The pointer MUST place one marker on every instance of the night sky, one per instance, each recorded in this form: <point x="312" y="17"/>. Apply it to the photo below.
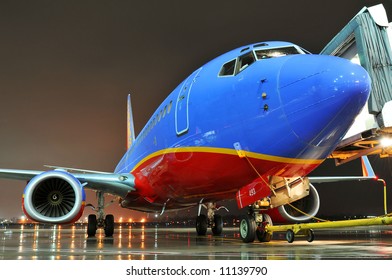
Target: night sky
<point x="66" y="68"/>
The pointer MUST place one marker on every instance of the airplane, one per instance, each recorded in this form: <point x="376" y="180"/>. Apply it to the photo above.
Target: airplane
<point x="249" y="125"/>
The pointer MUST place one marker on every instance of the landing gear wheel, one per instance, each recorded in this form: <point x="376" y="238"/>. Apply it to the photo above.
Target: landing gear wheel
<point x="218" y="225"/>
<point x="92" y="225"/>
<point x="201" y="225"/>
<point x="267" y="218"/>
<point x="310" y="235"/>
<point x="290" y="236"/>
<point x="109" y="225"/>
<point x="248" y="229"/>
<point x="262" y="235"/>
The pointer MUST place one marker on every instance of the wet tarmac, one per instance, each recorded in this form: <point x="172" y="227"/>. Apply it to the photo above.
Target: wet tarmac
<point x="38" y="242"/>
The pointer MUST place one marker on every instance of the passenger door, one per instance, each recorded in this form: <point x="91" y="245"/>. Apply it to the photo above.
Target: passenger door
<point x="182" y="106"/>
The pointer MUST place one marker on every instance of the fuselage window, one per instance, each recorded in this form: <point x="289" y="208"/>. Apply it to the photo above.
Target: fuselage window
<point x="160" y="115"/>
<point x="154" y="121"/>
<point x="164" y="111"/>
<point x="228" y="68"/>
<point x="169" y="107"/>
<point x="277" y="52"/>
<point x="245" y="61"/>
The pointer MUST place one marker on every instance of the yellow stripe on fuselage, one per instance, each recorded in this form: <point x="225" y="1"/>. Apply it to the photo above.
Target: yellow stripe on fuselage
<point x="228" y="152"/>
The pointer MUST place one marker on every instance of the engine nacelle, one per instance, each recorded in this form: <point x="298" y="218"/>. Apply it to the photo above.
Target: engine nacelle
<point x="54" y="197"/>
<point x="286" y="214"/>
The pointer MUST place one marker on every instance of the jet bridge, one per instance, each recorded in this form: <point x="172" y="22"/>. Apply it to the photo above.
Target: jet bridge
<point x="367" y="40"/>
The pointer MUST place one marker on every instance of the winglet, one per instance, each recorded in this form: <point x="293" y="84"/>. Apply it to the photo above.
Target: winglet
<point x="367" y="169"/>
<point x="130" y="126"/>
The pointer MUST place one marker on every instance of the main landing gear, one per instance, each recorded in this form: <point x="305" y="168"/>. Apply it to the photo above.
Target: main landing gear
<point x="253" y="225"/>
<point x="102" y="221"/>
<point x="212" y="220"/>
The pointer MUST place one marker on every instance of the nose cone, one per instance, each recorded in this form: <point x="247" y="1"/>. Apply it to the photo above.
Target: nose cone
<point x="321" y="96"/>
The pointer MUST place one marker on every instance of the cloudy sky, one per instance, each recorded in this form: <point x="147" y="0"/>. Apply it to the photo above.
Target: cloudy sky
<point x="67" y="66"/>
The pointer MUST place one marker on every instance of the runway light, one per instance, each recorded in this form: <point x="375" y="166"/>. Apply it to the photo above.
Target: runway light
<point x="386" y="142"/>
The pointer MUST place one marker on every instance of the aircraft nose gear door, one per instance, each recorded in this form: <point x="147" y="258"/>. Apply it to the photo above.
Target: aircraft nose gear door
<point x="182" y="108"/>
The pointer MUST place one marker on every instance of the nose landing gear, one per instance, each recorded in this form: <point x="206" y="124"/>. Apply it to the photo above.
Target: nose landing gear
<point x="253" y="225"/>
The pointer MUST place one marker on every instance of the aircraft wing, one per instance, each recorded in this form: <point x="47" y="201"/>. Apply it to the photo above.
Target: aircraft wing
<point x="111" y="183"/>
<point x="16" y="174"/>
<point x="338" y="179"/>
<point x="367" y="170"/>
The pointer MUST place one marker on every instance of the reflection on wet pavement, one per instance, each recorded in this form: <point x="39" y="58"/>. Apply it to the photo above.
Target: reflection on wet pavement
<point x="36" y="242"/>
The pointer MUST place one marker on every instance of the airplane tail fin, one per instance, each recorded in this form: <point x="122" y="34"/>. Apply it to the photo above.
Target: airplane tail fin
<point x="367" y="169"/>
<point x="130" y="126"/>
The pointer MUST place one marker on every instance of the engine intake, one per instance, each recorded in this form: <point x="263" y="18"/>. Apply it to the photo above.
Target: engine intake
<point x="309" y="204"/>
<point x="54" y="197"/>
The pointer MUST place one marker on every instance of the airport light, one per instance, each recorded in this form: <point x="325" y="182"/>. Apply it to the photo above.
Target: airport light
<point x="386" y="142"/>
<point x="22" y="219"/>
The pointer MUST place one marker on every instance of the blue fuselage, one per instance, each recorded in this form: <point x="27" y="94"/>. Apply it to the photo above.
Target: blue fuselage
<point x="279" y="103"/>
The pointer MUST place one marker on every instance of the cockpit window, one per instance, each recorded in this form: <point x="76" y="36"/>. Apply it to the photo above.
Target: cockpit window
<point x="305" y="51"/>
<point x="228" y="68"/>
<point x="270" y="53"/>
<point x="236" y="65"/>
<point x="245" y="61"/>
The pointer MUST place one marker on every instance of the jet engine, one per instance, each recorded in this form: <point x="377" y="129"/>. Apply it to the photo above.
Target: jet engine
<point x="54" y="197"/>
<point x="309" y="206"/>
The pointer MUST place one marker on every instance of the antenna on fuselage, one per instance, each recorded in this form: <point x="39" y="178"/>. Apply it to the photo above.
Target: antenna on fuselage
<point x="130" y="126"/>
